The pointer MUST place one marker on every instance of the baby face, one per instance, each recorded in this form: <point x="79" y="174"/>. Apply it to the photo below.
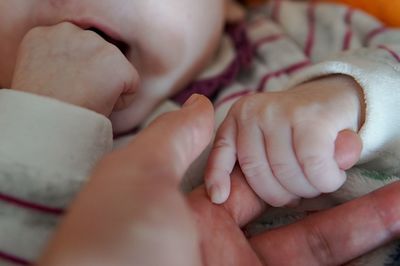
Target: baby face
<point x="167" y="41"/>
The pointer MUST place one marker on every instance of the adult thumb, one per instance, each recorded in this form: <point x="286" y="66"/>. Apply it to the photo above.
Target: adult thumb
<point x="174" y="140"/>
<point x="348" y="146"/>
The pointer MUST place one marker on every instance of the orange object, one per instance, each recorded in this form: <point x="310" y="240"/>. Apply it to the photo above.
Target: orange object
<point x="387" y="11"/>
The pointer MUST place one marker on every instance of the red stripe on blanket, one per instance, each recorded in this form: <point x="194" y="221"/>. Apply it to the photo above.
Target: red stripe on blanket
<point x="231" y="97"/>
<point x="390" y="51"/>
<point x="373" y="33"/>
<point x="210" y="86"/>
<point x="287" y="70"/>
<point x="267" y="40"/>
<point x="13" y="259"/>
<point x="30" y="205"/>
<point x="349" y="33"/>
<point x="311" y="30"/>
<point x="256" y="22"/>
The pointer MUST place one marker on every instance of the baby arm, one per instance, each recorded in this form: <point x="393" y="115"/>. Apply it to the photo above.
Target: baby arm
<point x="284" y="141"/>
<point x="48" y="147"/>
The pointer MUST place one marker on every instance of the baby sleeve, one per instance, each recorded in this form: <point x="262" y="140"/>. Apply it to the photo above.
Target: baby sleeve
<point x="341" y="40"/>
<point x="47" y="149"/>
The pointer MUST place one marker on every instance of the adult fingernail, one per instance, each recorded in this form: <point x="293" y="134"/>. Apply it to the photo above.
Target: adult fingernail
<point x="192" y="100"/>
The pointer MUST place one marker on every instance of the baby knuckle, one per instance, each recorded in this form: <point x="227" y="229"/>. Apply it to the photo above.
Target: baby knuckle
<point x="104" y="52"/>
<point x="313" y="163"/>
<point x="246" y="104"/>
<point x="222" y="142"/>
<point x="247" y="115"/>
<point x="239" y="103"/>
<point x="310" y="111"/>
<point x="93" y="38"/>
<point x="67" y="26"/>
<point x="111" y="49"/>
<point x="316" y="169"/>
<point x="299" y="113"/>
<point x="330" y="184"/>
<point x="252" y="167"/>
<point x="236" y="108"/>
<point x="284" y="170"/>
<point x="279" y="202"/>
<point x="89" y="35"/>
<point x="35" y="33"/>
<point x="271" y="111"/>
<point x="62" y="30"/>
<point x="278" y="199"/>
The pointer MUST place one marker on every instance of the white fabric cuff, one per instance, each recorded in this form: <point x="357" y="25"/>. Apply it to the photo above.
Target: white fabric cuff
<point x="51" y="136"/>
<point x="381" y="85"/>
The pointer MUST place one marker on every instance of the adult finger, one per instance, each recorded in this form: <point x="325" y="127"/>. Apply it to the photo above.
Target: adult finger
<point x="222" y="240"/>
<point x="243" y="205"/>
<point x="174" y="139"/>
<point x="337" y="235"/>
<point x="221" y="161"/>
<point x="134" y="200"/>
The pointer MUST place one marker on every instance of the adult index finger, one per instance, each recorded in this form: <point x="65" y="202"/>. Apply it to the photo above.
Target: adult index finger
<point x="337" y="235"/>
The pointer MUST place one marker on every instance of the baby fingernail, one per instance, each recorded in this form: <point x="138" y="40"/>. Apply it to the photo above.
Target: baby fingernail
<point x="216" y="194"/>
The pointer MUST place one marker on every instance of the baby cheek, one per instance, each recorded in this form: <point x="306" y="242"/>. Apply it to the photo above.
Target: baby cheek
<point x="57" y="3"/>
<point x="57" y="7"/>
<point x="161" y="51"/>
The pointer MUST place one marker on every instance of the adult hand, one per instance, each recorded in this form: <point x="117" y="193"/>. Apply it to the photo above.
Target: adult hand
<point x="75" y="66"/>
<point x="131" y="213"/>
<point x="331" y="237"/>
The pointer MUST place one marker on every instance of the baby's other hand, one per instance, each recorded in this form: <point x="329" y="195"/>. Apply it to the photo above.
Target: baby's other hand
<point x="75" y="66"/>
<point x="285" y="141"/>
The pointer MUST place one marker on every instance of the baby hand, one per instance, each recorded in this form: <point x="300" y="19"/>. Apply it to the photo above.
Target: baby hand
<point x="75" y="66"/>
<point x="285" y="141"/>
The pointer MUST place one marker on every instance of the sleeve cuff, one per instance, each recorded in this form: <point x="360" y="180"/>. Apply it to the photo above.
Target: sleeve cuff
<point x="380" y="84"/>
<point x="44" y="133"/>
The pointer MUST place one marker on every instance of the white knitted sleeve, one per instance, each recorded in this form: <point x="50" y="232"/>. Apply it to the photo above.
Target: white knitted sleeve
<point x="47" y="149"/>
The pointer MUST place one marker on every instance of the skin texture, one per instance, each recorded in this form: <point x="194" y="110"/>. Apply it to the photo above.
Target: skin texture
<point x="142" y="211"/>
<point x="80" y="56"/>
<point x="47" y="41"/>
<point x="166" y="43"/>
<point x="284" y="141"/>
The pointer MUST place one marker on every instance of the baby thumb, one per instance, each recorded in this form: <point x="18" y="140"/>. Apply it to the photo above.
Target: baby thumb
<point x="174" y="140"/>
<point x="348" y="148"/>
